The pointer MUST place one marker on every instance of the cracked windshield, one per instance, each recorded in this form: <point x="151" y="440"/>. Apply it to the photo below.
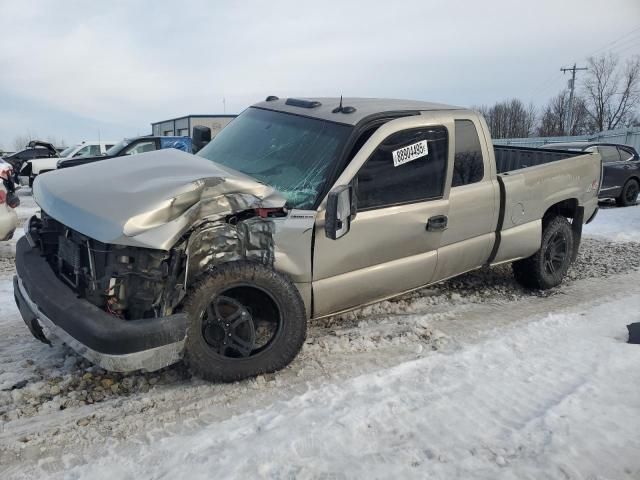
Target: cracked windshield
<point x="291" y="153"/>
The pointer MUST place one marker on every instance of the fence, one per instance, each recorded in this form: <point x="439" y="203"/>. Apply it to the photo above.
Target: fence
<point x="622" y="136"/>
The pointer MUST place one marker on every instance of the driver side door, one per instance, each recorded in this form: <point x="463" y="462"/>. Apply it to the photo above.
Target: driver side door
<point x="400" y="177"/>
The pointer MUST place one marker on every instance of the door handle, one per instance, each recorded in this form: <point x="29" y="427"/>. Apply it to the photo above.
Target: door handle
<point x="437" y="223"/>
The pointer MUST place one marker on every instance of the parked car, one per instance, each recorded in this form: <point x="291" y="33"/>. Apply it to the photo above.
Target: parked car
<point x="131" y="146"/>
<point x="8" y="203"/>
<point x="6" y="169"/>
<point x="34" y="149"/>
<point x="300" y="208"/>
<point x="621" y="179"/>
<point x="32" y="168"/>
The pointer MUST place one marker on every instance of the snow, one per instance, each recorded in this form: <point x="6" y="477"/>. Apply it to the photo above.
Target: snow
<point x="617" y="224"/>
<point x="557" y="396"/>
<point x="473" y="378"/>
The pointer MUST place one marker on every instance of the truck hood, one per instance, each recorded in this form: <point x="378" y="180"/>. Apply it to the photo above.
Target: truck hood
<point x="148" y="200"/>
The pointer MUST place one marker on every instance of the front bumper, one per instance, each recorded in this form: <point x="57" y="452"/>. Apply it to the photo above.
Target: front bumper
<point x="110" y="342"/>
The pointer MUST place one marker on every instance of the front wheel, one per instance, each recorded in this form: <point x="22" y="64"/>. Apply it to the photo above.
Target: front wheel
<point x="547" y="267"/>
<point x="629" y="194"/>
<point x="245" y="319"/>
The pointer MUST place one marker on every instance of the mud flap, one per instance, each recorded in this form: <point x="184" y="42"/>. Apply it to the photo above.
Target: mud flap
<point x="576" y="226"/>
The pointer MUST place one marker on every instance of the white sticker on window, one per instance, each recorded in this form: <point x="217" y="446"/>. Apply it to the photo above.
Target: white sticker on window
<point x="410" y="153"/>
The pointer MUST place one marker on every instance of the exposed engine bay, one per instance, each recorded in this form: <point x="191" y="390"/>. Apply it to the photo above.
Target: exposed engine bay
<point x="133" y="282"/>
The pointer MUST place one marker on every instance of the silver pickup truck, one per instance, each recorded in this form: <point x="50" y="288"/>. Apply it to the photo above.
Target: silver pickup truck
<point x="298" y="209"/>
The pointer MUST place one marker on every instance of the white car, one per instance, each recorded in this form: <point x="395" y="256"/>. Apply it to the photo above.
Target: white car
<point x="8" y="216"/>
<point x="35" y="167"/>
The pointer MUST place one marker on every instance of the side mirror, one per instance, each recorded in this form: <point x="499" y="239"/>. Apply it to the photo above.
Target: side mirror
<point x="341" y="209"/>
<point x="201" y="136"/>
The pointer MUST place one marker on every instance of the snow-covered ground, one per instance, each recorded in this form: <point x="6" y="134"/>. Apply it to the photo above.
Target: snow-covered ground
<point x="618" y="224"/>
<point x="474" y="378"/>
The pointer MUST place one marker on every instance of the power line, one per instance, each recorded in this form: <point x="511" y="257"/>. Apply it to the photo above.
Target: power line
<point x="629" y="47"/>
<point x="544" y="86"/>
<point x="610" y="44"/>
<point x="572" y="84"/>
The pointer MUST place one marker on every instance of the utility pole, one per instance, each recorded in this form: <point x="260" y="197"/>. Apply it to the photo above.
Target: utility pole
<point x="572" y="84"/>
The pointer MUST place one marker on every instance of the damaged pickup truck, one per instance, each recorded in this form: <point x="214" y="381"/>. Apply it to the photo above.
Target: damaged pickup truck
<point x="298" y="209"/>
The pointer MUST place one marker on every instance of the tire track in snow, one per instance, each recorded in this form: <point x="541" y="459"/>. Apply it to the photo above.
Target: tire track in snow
<point x="424" y="418"/>
<point x="465" y="329"/>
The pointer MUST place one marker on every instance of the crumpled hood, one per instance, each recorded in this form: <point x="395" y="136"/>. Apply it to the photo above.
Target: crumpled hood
<point x="148" y="200"/>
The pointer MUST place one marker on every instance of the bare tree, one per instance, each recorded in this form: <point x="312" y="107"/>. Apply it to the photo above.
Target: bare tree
<point x="612" y="92"/>
<point x="509" y="119"/>
<point x="556" y="116"/>
<point x="57" y="142"/>
<point x="20" y="141"/>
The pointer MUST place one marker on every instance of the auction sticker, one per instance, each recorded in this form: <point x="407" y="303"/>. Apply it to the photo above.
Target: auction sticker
<point x="409" y="153"/>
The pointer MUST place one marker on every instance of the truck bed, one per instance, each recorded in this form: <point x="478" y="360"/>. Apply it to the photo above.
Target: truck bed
<point x="510" y="158"/>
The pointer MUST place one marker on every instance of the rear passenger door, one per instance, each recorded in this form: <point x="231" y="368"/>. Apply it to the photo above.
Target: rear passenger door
<point x="391" y="247"/>
<point x="473" y="203"/>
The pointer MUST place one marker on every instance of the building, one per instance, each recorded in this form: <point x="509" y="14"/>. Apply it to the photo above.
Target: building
<point x="183" y="126"/>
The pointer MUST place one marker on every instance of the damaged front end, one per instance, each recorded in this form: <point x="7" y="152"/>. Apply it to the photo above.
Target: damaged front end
<point x="126" y="273"/>
<point x="133" y="282"/>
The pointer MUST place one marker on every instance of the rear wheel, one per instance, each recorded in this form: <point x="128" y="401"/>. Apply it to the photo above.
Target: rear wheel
<point x="629" y="194"/>
<point x="548" y="266"/>
<point x="245" y="319"/>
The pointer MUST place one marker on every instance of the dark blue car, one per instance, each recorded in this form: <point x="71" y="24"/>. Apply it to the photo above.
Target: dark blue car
<point x="621" y="165"/>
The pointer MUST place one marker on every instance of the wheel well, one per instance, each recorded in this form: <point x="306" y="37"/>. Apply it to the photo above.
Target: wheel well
<point x="571" y="210"/>
<point x="567" y="208"/>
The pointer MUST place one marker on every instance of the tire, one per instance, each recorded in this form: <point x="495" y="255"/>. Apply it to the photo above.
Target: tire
<point x="629" y="194"/>
<point x="547" y="267"/>
<point x="224" y="297"/>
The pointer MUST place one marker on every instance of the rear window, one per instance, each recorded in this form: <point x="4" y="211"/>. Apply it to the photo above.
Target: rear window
<point x="625" y="154"/>
<point x="468" y="165"/>
<point x="609" y="154"/>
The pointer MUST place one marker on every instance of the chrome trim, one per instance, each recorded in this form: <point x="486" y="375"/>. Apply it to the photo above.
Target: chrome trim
<point x="147" y="360"/>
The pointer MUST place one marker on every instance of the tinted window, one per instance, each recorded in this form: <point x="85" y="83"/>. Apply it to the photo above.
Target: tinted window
<point x="625" y="154"/>
<point x="609" y="154"/>
<point x="401" y="170"/>
<point x="468" y="166"/>
<point x="94" y="150"/>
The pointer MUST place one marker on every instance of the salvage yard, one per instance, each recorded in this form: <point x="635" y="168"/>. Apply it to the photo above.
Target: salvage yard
<point x="475" y="376"/>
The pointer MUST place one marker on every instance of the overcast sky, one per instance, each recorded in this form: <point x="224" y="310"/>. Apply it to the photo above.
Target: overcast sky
<point x="78" y="69"/>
